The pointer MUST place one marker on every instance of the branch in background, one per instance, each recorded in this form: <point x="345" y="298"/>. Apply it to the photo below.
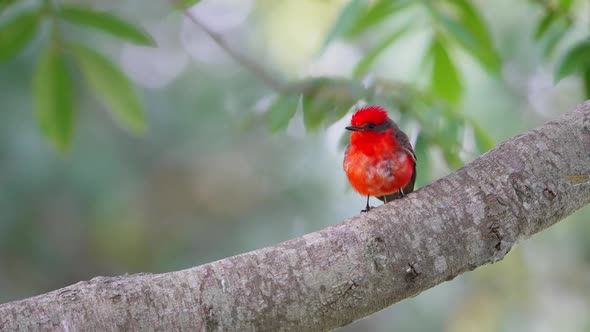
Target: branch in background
<point x="293" y="88"/>
<point x="243" y="60"/>
<point x="350" y="270"/>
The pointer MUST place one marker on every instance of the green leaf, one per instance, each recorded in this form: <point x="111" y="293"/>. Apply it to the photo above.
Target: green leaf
<point x="544" y="24"/>
<point x="445" y="78"/>
<point x="53" y="99"/>
<point x="106" y="22"/>
<point x="452" y="158"/>
<point x="575" y="60"/>
<point x="281" y="112"/>
<point x="367" y="61"/>
<point x="483" y="140"/>
<point x="565" y="5"/>
<point x="345" y="21"/>
<point x="326" y="100"/>
<point x="456" y="30"/>
<point x="449" y="131"/>
<point x="423" y="160"/>
<point x="376" y="13"/>
<point x="449" y="136"/>
<point x="17" y="32"/>
<point x="469" y="29"/>
<point x="183" y="4"/>
<point x="338" y="112"/>
<point x="111" y="87"/>
<point x="554" y="35"/>
<point x="471" y="19"/>
<point x="5" y="3"/>
<point x="427" y="116"/>
<point x="485" y="53"/>
<point x="315" y="111"/>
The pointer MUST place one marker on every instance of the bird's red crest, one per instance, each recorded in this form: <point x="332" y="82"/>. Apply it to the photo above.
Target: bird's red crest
<point x="373" y="114"/>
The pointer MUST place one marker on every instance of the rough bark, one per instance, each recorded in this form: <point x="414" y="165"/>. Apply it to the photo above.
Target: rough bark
<point x="347" y="271"/>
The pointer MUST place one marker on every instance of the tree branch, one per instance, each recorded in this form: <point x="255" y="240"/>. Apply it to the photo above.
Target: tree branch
<point x="347" y="271"/>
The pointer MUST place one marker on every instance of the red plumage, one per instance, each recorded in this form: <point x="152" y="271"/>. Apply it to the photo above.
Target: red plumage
<point x="374" y="114"/>
<point x="379" y="160"/>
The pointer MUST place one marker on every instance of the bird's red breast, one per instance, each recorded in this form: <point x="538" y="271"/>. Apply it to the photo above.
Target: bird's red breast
<point x="376" y="165"/>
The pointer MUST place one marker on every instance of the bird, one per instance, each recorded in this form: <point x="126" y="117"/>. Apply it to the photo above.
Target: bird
<point x="379" y="160"/>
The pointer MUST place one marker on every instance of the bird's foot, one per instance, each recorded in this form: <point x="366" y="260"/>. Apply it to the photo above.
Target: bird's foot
<point x="367" y="209"/>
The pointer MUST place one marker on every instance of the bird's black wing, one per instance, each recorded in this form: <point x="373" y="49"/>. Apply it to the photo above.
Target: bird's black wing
<point x="405" y="144"/>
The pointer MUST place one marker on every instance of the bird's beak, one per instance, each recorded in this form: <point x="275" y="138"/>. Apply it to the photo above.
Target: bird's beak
<point x="353" y="128"/>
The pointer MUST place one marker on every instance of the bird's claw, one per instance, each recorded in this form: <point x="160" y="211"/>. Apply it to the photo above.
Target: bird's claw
<point x="367" y="209"/>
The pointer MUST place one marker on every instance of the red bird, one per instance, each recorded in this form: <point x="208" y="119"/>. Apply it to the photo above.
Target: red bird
<point x="379" y="160"/>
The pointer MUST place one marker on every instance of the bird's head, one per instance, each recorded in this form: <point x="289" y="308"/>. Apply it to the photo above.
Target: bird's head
<point x="371" y="119"/>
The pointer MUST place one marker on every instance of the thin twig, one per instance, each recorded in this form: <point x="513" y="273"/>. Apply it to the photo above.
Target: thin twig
<point x="292" y="88"/>
<point x="243" y="60"/>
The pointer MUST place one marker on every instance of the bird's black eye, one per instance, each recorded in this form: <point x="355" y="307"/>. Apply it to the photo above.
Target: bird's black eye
<point x="371" y="126"/>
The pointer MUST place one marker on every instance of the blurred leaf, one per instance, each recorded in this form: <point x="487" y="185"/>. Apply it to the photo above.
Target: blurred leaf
<point x="339" y="95"/>
<point x="315" y="111"/>
<point x="338" y="113"/>
<point x="17" y="32"/>
<point x="367" y="61"/>
<point x="469" y="30"/>
<point x="375" y="13"/>
<point x="281" y="112"/>
<point x="326" y="100"/>
<point x="111" y="87"/>
<point x="5" y="3"/>
<point x="472" y="21"/>
<point x="456" y="30"/>
<point x="544" y="24"/>
<point x="448" y="138"/>
<point x="452" y="158"/>
<point x="423" y="161"/>
<point x="349" y="14"/>
<point x="428" y="117"/>
<point x="565" y="5"/>
<point x="445" y="78"/>
<point x="341" y="92"/>
<point x="187" y="3"/>
<point x="483" y="140"/>
<point x="554" y="35"/>
<point x="449" y="131"/>
<point x="52" y="92"/>
<point x="106" y="22"/>
<point x="575" y="60"/>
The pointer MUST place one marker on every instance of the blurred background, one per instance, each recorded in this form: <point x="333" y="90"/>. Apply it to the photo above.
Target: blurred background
<point x="233" y="147"/>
